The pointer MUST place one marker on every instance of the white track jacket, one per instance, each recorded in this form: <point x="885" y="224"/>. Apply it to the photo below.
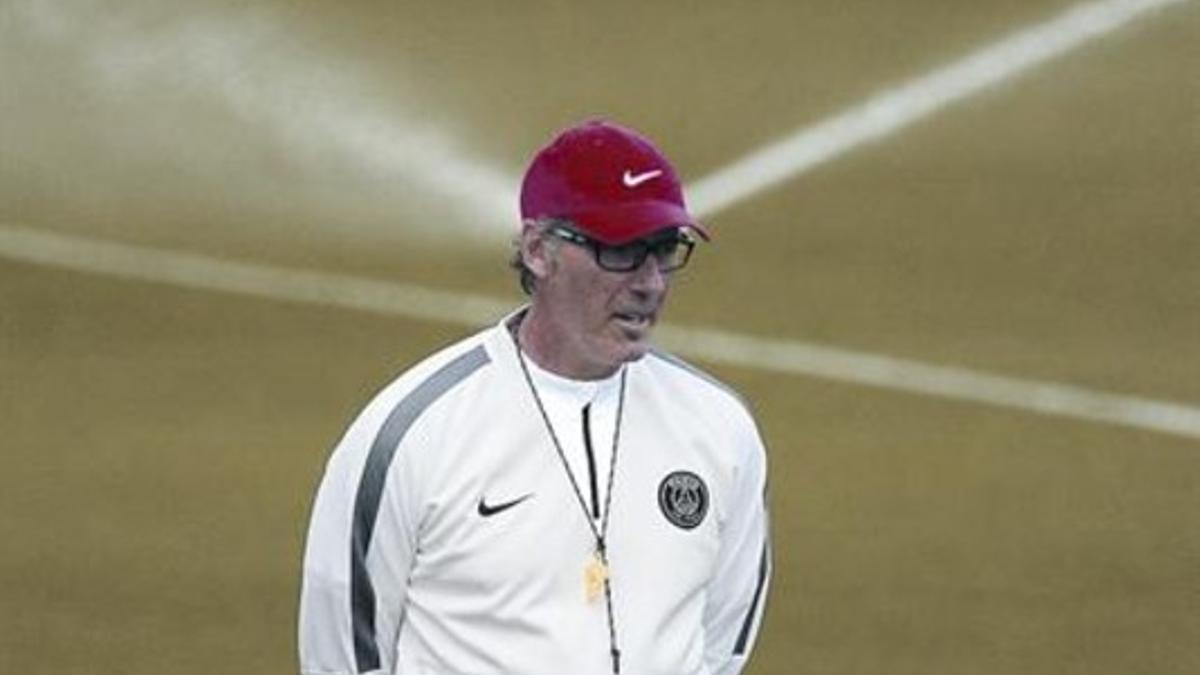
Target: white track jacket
<point x="446" y="537"/>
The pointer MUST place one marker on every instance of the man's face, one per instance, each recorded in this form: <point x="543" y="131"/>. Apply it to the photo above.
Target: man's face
<point x="598" y="318"/>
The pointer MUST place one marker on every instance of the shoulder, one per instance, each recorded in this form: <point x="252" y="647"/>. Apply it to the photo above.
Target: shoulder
<point x="705" y="390"/>
<point x="433" y="378"/>
<point x="697" y="377"/>
<point x="708" y="407"/>
<point x="391" y="414"/>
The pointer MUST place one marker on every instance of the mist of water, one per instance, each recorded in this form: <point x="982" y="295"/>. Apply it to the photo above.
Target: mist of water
<point x="239" y="99"/>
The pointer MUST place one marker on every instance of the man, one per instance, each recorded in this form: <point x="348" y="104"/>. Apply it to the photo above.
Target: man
<point x="552" y="495"/>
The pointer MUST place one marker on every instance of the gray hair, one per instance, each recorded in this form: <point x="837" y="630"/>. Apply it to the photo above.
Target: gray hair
<point x="525" y="276"/>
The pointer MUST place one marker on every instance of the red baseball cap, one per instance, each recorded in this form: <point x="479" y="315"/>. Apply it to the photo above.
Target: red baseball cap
<point x="609" y="180"/>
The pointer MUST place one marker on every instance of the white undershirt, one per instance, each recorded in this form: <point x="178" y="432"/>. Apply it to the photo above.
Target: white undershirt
<point x="565" y="400"/>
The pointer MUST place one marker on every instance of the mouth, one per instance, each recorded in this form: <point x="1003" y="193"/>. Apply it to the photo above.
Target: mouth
<point x="634" y="323"/>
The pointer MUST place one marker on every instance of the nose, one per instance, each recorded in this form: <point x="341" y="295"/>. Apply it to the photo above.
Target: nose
<point x="649" y="278"/>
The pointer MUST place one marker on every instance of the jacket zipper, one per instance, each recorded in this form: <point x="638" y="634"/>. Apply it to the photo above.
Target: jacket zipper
<point x="591" y="460"/>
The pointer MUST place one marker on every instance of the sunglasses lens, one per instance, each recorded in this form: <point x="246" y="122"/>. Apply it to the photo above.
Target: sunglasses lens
<point x="621" y="258"/>
<point x="673" y="253"/>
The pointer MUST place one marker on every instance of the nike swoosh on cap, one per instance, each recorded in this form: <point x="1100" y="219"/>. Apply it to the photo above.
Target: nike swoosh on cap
<point x="488" y="510"/>
<point x="631" y="179"/>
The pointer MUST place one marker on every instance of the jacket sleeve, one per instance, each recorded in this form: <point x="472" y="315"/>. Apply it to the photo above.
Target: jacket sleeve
<point x="360" y="545"/>
<point x="737" y="593"/>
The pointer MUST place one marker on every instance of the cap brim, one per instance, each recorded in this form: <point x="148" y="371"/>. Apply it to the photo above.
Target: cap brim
<point x="622" y="223"/>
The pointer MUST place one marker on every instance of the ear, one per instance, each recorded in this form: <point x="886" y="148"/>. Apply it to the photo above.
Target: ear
<point x="536" y="252"/>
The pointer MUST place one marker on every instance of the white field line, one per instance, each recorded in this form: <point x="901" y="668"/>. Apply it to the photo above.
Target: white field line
<point x="415" y="302"/>
<point x="191" y="270"/>
<point x="890" y="111"/>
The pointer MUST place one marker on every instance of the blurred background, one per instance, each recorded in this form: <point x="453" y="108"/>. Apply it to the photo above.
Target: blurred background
<point x="160" y="441"/>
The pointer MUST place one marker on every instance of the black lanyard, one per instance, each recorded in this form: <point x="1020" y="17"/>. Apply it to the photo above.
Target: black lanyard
<point x="598" y="568"/>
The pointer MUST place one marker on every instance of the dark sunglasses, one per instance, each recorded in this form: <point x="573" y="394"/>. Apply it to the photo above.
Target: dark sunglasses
<point x="671" y="250"/>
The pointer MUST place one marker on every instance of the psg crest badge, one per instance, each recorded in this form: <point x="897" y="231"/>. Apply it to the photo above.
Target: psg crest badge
<point x="683" y="498"/>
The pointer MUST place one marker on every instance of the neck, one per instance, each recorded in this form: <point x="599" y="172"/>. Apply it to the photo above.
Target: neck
<point x="541" y="339"/>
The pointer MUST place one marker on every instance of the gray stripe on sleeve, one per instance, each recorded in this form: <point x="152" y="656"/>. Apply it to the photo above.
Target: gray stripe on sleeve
<point x="370" y="492"/>
<point x="764" y="565"/>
